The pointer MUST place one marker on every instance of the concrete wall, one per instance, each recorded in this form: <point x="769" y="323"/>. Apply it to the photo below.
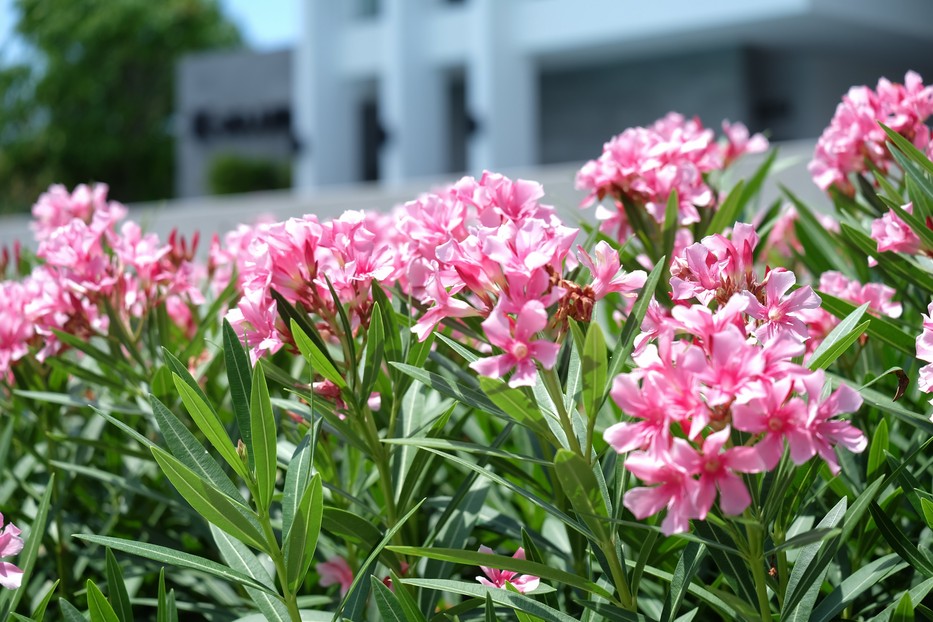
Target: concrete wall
<point x="231" y="103"/>
<point x="211" y="215"/>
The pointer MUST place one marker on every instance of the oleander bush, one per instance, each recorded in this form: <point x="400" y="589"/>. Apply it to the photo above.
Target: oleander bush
<point x="697" y="407"/>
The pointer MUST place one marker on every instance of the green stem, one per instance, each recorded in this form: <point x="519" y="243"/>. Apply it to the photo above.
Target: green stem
<point x="618" y="576"/>
<point x="552" y="384"/>
<point x="288" y="597"/>
<point x="756" y="559"/>
<point x="381" y="458"/>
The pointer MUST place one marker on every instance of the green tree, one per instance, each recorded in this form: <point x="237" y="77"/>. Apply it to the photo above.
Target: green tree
<point x="95" y="101"/>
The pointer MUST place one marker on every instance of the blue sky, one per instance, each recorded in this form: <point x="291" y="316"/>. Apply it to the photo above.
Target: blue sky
<point x="265" y="24"/>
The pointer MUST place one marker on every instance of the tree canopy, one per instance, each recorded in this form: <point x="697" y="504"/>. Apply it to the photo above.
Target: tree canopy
<point x="95" y="100"/>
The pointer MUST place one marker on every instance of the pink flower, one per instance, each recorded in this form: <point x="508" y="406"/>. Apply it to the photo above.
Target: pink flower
<point x="445" y="305"/>
<point x="335" y="571"/>
<point x="498" y="578"/>
<point x="739" y="142"/>
<point x="925" y="351"/>
<point x="717" y="470"/>
<point x="893" y="234"/>
<point x="778" y="416"/>
<point x="607" y="272"/>
<point x="10" y="544"/>
<point x="514" y="336"/>
<point x="780" y="315"/>
<point x="645" y="403"/>
<point x="675" y="489"/>
<point x="826" y="431"/>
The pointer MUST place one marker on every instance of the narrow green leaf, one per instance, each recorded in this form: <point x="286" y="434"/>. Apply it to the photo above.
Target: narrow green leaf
<point x="181" y="370"/>
<point x="296" y="481"/>
<point x="184" y="446"/>
<point x="117" y="589"/>
<point x="316" y="358"/>
<point x="504" y="562"/>
<point x="859" y="581"/>
<point x="162" y="613"/>
<point x="209" y="502"/>
<point x="176" y="558"/>
<point x="901" y="545"/>
<point x="350" y="527"/>
<point x="671" y="222"/>
<point x="389" y="607"/>
<point x="409" y="606"/>
<point x="69" y="613"/>
<point x="239" y="378"/>
<point x="878" y="327"/>
<point x="579" y="484"/>
<point x="241" y="559"/>
<point x="595" y="369"/>
<point x="904" y="612"/>
<point x="916" y="224"/>
<point x="490" y="610"/>
<point x="38" y="614"/>
<point x="728" y="212"/>
<point x="33" y="541"/>
<point x="894" y="264"/>
<point x="815" y="535"/>
<point x="262" y="424"/>
<point x="450" y="388"/>
<point x="839" y="339"/>
<point x="208" y="422"/>
<point x="375" y="338"/>
<point x="302" y="538"/>
<point x="687" y="567"/>
<point x="879" y="445"/>
<point x="927" y="507"/>
<point x="506" y="598"/>
<point x="98" y="607"/>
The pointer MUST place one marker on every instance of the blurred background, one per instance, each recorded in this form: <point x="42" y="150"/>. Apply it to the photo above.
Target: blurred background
<point x="339" y="103"/>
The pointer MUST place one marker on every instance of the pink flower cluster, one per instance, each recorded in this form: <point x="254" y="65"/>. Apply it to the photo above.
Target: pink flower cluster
<point x="853" y="141"/>
<point x="643" y="165"/>
<point x="716" y="393"/>
<point x="880" y="299"/>
<point x="488" y="248"/>
<point x="893" y="234"/>
<point x="88" y="263"/>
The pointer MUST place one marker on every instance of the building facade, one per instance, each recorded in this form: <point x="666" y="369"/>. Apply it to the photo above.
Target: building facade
<point x="396" y="90"/>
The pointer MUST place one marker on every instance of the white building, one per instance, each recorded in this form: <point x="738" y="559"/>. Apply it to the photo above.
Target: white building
<point x="402" y="89"/>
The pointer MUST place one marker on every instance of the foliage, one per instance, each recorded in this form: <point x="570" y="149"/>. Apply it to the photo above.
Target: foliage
<point x="231" y="174"/>
<point x="96" y="100"/>
<point x="444" y="412"/>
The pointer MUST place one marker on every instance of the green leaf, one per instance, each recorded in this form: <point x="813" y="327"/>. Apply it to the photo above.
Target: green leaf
<point x="839" y="339"/>
<point x="209" y="502"/>
<point x="879" y="445"/>
<point x="375" y="338"/>
<point x="581" y="488"/>
<point x="882" y="402"/>
<point x="687" y="567"/>
<point x="38" y="614"/>
<point x="316" y="357"/>
<point x="516" y="404"/>
<point x="916" y="224"/>
<point x="33" y="541"/>
<point x="491" y="560"/>
<point x="184" y="446"/>
<point x="296" y="481"/>
<point x="632" y="326"/>
<point x="351" y="527"/>
<point x="506" y="598"/>
<point x="176" y="558"/>
<point x="301" y="539"/>
<point x="490" y="610"/>
<point x="904" y="612"/>
<point x="889" y="262"/>
<point x="390" y="609"/>
<point x="262" y="424"/>
<point x="927" y="507"/>
<point x="729" y="211"/>
<point x="878" y="327"/>
<point x="595" y="369"/>
<point x="451" y="388"/>
<point x="815" y="535"/>
<point x="406" y="600"/>
<point x="208" y="422"/>
<point x="859" y="581"/>
<point x="69" y="613"/>
<point x="901" y="545"/>
<point x="98" y="607"/>
<point x="241" y="559"/>
<point x="239" y="379"/>
<point x="166" y="604"/>
<point x="181" y="370"/>
<point x="117" y="589"/>
<point x="671" y="222"/>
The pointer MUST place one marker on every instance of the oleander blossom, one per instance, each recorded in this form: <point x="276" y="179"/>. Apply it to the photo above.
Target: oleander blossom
<point x="719" y="365"/>
<point x="893" y="234"/>
<point x="10" y="544"/>
<point x="499" y="578"/>
<point x="853" y="142"/>
<point x="925" y="352"/>
<point x="335" y="571"/>
<point x="642" y="166"/>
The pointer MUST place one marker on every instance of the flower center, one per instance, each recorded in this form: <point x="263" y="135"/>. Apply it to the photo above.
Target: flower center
<point x="775" y="314"/>
<point x="775" y="424"/>
<point x="712" y="466"/>
<point x="519" y="350"/>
